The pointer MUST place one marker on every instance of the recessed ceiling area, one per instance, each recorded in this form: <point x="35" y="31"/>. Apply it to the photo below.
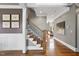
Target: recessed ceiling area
<point x="52" y="10"/>
<point x="47" y="4"/>
<point x="49" y="11"/>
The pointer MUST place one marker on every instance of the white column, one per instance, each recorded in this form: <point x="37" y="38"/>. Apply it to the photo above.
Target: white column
<point x="24" y="29"/>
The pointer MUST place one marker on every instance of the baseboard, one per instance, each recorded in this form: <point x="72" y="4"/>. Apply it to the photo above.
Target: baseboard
<point x="34" y="48"/>
<point x="10" y="49"/>
<point x="67" y="45"/>
<point x="23" y="51"/>
<point x="77" y="50"/>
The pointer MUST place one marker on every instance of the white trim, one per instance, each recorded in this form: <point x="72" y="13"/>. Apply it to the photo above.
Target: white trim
<point x="34" y="42"/>
<point x="23" y="51"/>
<point x="6" y="49"/>
<point x="34" y="48"/>
<point x="11" y="6"/>
<point x="77" y="50"/>
<point x="24" y="48"/>
<point x="67" y="45"/>
<point x="46" y="5"/>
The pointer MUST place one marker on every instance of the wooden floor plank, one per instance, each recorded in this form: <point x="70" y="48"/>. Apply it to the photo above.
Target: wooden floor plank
<point x="58" y="50"/>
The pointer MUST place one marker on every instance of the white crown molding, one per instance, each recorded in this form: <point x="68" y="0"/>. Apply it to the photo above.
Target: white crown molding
<point x="32" y="5"/>
<point x="11" y="6"/>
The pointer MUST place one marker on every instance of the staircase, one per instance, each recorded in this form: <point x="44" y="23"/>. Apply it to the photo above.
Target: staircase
<point x="35" y="40"/>
<point x="36" y="34"/>
<point x="39" y="39"/>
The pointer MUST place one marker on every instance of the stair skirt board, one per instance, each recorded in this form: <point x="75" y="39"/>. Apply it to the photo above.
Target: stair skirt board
<point x="34" y="48"/>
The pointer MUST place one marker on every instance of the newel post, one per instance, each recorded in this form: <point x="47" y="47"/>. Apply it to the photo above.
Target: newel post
<point x="45" y="42"/>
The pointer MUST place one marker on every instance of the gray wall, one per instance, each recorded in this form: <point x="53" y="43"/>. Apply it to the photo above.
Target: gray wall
<point x="40" y="21"/>
<point x="70" y="27"/>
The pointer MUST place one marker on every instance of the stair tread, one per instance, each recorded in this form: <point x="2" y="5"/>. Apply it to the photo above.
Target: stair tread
<point x="34" y="42"/>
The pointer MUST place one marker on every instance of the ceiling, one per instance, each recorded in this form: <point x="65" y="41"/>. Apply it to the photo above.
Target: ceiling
<point x="52" y="11"/>
<point x="49" y="11"/>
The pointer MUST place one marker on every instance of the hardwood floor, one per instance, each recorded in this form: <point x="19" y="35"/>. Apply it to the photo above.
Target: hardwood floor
<point x="35" y="53"/>
<point x="11" y="53"/>
<point x="61" y="50"/>
<point x="58" y="50"/>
